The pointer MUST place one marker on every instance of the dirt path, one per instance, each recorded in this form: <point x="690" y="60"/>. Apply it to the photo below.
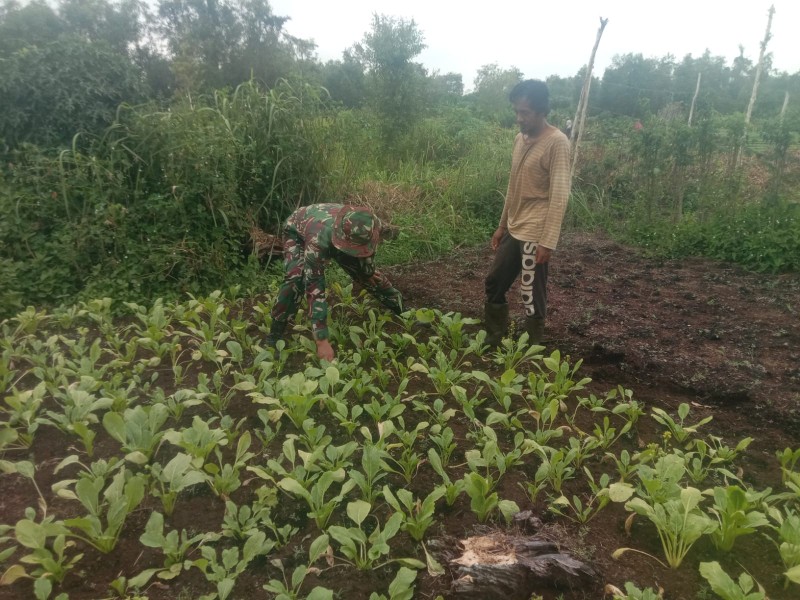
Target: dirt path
<point x="692" y="330"/>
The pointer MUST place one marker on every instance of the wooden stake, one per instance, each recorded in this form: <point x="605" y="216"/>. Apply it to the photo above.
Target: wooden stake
<point x="753" y="96"/>
<point x="694" y="98"/>
<point x="583" y="103"/>
<point x="785" y="104"/>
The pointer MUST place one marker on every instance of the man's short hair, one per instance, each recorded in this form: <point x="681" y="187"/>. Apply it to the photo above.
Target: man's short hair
<point x="535" y="92"/>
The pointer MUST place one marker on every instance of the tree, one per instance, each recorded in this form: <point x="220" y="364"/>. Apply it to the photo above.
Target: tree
<point x="219" y="43"/>
<point x="445" y="89"/>
<point x="636" y="86"/>
<point x="492" y="87"/>
<point x="119" y="24"/>
<point x="713" y="93"/>
<point x="394" y="81"/>
<point x="345" y="80"/>
<point x="49" y="93"/>
<point x="67" y="69"/>
<point x="30" y="25"/>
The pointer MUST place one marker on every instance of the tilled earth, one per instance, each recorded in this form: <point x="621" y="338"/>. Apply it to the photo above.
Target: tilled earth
<point x="689" y="330"/>
<point x="697" y="331"/>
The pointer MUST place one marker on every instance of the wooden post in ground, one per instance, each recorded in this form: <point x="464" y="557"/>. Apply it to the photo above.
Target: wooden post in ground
<point x="785" y="104"/>
<point x="754" y="94"/>
<point x="583" y="103"/>
<point x="694" y="98"/>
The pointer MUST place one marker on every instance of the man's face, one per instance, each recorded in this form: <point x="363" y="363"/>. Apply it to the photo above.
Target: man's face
<point x="527" y="118"/>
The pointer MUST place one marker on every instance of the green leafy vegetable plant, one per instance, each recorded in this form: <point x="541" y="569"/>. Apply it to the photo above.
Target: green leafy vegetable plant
<point x="175" y="547"/>
<point x="293" y="396"/>
<point x="47" y="559"/>
<point x="321" y="508"/>
<point x="557" y="466"/>
<point x="138" y="430"/>
<point x="788" y="528"/>
<point x="514" y="352"/>
<point x="632" y="592"/>
<point x="224" y="570"/>
<point x="452" y="489"/>
<point x="483" y="501"/>
<point x="365" y="551"/>
<point x="679" y="521"/>
<point x="602" y="492"/>
<point x="23" y="414"/>
<point x="224" y="477"/>
<point x="199" y="440"/>
<point x="736" y="511"/>
<point x="401" y="587"/>
<point x="78" y="412"/>
<point x="170" y="480"/>
<point x="728" y="589"/>
<point x="418" y="514"/>
<point x="289" y="589"/>
<point x="119" y="499"/>
<point x="788" y="459"/>
<point x="373" y="470"/>
<point x="680" y="430"/>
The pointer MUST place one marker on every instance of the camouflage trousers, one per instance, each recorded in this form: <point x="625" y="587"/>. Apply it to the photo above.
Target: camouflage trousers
<point x="294" y="286"/>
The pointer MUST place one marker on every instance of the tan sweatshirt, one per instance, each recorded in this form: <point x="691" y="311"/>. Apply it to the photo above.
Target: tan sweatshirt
<point x="538" y="188"/>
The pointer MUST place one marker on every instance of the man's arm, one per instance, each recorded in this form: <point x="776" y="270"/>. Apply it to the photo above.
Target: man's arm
<point x="502" y="228"/>
<point x="559" y="196"/>
<point x="384" y="292"/>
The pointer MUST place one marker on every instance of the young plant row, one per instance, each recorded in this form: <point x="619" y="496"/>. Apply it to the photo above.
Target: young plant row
<point x="415" y="418"/>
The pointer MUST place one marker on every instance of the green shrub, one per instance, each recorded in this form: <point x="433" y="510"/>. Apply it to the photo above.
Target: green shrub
<point x="761" y="238"/>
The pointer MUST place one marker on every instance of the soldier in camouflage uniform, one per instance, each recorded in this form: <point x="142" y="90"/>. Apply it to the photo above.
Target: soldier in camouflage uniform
<point x="312" y="236"/>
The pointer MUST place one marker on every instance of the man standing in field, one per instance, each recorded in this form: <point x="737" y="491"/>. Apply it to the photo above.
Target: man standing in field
<point x="312" y="236"/>
<point x="538" y="191"/>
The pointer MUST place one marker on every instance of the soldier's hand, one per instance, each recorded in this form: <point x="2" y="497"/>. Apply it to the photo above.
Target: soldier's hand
<point x="325" y="350"/>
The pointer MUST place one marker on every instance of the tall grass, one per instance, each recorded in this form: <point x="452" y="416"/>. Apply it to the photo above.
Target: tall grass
<point x="442" y="184"/>
<point x="162" y="202"/>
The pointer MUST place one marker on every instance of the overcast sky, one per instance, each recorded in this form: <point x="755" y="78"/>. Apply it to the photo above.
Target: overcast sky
<point x="554" y="37"/>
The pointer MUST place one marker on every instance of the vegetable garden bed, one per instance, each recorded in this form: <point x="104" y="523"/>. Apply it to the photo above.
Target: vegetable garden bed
<point x="168" y="456"/>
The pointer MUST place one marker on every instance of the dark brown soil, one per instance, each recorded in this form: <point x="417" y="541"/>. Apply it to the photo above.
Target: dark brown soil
<point x="696" y="331"/>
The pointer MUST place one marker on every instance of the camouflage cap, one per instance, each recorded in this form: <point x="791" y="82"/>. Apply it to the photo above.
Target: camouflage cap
<point x="356" y="231"/>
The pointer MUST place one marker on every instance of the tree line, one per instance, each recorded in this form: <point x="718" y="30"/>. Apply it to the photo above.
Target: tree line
<point x="67" y="67"/>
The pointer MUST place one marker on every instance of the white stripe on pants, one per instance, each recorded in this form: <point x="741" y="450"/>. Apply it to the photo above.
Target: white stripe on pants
<point x="527" y="278"/>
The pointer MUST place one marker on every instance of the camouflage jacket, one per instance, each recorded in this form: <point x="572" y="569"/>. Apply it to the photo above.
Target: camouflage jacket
<point x="311" y="228"/>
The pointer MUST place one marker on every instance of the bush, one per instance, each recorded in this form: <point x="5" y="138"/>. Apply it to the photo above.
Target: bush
<point x="163" y="201"/>
<point x="759" y="237"/>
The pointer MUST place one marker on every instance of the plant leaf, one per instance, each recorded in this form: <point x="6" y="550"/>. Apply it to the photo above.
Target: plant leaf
<point x="320" y="593"/>
<point x="719" y="580"/>
<point x="13" y="573"/>
<point x="620" y="491"/>
<point x="358" y="511"/>
<point x="793" y="574"/>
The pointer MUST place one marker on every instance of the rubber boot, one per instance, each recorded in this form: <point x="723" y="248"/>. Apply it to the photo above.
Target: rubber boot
<point x="495" y="317"/>
<point x="534" y="326"/>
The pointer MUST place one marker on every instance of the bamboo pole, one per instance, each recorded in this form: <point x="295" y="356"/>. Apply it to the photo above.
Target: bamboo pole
<point x="785" y="104"/>
<point x="694" y="98"/>
<point x="583" y="103"/>
<point x="754" y="94"/>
